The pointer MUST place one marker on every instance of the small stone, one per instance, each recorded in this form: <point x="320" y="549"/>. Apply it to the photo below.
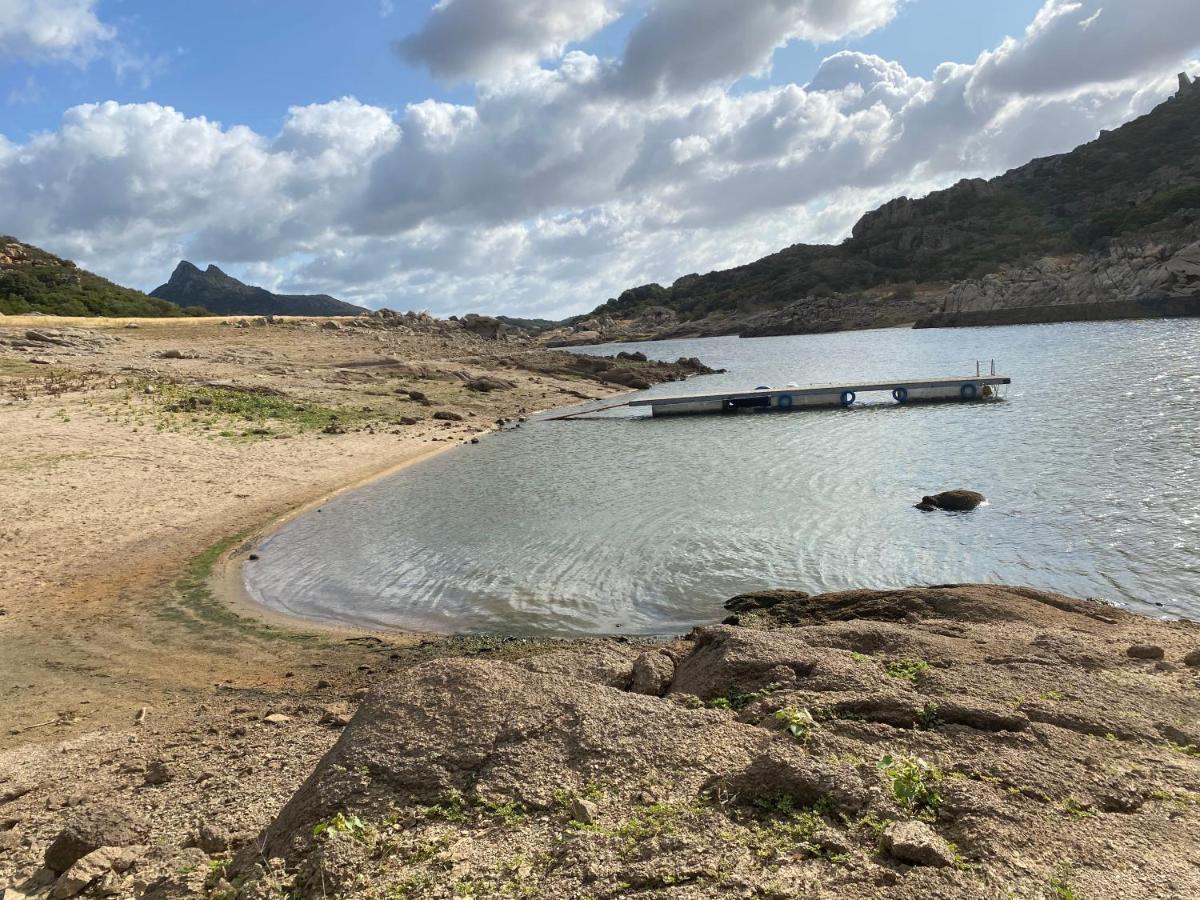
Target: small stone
<point x="39" y="360"/>
<point x="91" y="868"/>
<point x="1144" y="651"/>
<point x="444" y="415"/>
<point x="917" y="844"/>
<point x="338" y="716"/>
<point x="322" y="684"/>
<point x="583" y="811"/>
<point x="213" y="839"/>
<point x="277" y="718"/>
<point x="158" y="772"/>
<point x="1193" y="658"/>
<point x="652" y="673"/>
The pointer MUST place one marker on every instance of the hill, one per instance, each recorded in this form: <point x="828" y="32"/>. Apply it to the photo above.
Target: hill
<point x="1130" y="192"/>
<point x="34" y="281"/>
<point x="224" y="295"/>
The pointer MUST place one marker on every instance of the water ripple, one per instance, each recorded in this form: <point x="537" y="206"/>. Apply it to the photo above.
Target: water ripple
<point x="647" y="526"/>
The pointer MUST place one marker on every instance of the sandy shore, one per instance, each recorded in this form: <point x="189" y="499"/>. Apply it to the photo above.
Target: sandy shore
<point x="109" y="496"/>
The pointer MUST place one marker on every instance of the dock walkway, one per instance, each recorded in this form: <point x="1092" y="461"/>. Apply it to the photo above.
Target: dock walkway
<point x="912" y="390"/>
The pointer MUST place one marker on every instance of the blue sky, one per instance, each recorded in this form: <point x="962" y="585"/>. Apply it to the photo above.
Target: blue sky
<point x="246" y="61"/>
<point x="532" y="156"/>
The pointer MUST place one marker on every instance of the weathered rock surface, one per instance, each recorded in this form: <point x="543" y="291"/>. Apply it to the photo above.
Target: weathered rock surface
<point x="917" y="844"/>
<point x="785" y="754"/>
<point x="91" y="828"/>
<point x="652" y="673"/>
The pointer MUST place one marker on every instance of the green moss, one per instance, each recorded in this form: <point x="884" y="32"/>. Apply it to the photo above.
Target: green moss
<point x="907" y="669"/>
<point x="194" y="606"/>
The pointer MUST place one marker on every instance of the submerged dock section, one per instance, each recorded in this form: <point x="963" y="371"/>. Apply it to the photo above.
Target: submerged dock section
<point x="762" y="399"/>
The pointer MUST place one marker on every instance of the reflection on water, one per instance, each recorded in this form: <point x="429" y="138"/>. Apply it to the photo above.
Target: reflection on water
<point x="642" y="525"/>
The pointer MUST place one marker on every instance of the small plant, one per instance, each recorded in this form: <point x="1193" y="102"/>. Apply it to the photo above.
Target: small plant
<point x="352" y="826"/>
<point x="1077" y="809"/>
<point x="859" y="657"/>
<point x="452" y="806"/>
<point x="907" y="669"/>
<point x="720" y="703"/>
<point x="1060" y="884"/>
<point x="1051" y="695"/>
<point x="927" y="717"/>
<point x="799" y="723"/>
<point x="914" y="783"/>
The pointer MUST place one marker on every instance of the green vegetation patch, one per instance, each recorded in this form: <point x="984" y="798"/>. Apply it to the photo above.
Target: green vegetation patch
<point x="44" y="283"/>
<point x="907" y="669"/>
<point x="195" y="607"/>
<point x="249" y="413"/>
<point x="914" y="783"/>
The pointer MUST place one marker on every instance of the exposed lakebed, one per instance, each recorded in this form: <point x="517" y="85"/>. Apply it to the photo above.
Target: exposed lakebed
<point x="626" y="524"/>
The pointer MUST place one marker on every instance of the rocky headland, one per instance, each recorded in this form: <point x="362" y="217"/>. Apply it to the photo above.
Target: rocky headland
<point x="1106" y="231"/>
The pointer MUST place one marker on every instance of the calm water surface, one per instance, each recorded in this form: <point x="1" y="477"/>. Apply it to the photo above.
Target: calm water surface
<point x="639" y="525"/>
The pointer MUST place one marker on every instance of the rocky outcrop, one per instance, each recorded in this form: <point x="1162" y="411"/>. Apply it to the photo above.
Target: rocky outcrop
<point x="1108" y="223"/>
<point x="932" y="742"/>
<point x="1145" y="275"/>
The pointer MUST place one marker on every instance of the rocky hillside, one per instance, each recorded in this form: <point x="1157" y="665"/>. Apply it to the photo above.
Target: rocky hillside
<point x="34" y="281"/>
<point x="1109" y="221"/>
<point x="224" y="295"/>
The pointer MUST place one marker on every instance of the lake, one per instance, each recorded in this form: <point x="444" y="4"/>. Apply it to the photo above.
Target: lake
<point x="631" y="525"/>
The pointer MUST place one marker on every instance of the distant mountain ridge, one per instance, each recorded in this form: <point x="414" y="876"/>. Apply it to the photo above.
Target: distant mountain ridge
<point x="1114" y="221"/>
<point x="35" y="281"/>
<point x="224" y="295"/>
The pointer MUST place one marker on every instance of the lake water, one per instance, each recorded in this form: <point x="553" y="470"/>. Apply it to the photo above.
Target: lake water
<point x="627" y="524"/>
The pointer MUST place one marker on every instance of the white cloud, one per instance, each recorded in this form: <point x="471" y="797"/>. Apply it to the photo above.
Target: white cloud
<point x="1072" y="43"/>
<point x="552" y="191"/>
<point x="40" y="30"/>
<point x="468" y="39"/>
<point x="682" y="46"/>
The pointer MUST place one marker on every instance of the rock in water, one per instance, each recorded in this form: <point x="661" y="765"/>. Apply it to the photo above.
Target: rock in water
<point x="958" y="500"/>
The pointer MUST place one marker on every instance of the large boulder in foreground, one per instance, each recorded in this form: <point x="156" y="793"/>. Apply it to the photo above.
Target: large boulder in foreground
<point x="958" y="741"/>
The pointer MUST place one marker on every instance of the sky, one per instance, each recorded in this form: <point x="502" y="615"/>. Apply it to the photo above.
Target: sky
<point x="532" y="157"/>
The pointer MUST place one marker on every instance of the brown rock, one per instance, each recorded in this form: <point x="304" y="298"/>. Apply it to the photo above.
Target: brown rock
<point x="917" y="844"/>
<point x="1193" y="658"/>
<point x="583" y="811"/>
<point x="652" y="673"/>
<point x="952" y="501"/>
<point x="92" y="868"/>
<point x="1144" y="651"/>
<point x="158" y="772"/>
<point x="92" y="828"/>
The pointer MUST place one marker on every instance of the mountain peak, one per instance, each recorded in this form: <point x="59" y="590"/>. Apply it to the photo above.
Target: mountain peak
<point x="222" y="294"/>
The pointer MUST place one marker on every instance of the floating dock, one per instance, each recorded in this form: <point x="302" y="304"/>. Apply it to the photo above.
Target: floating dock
<point x="764" y="399"/>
